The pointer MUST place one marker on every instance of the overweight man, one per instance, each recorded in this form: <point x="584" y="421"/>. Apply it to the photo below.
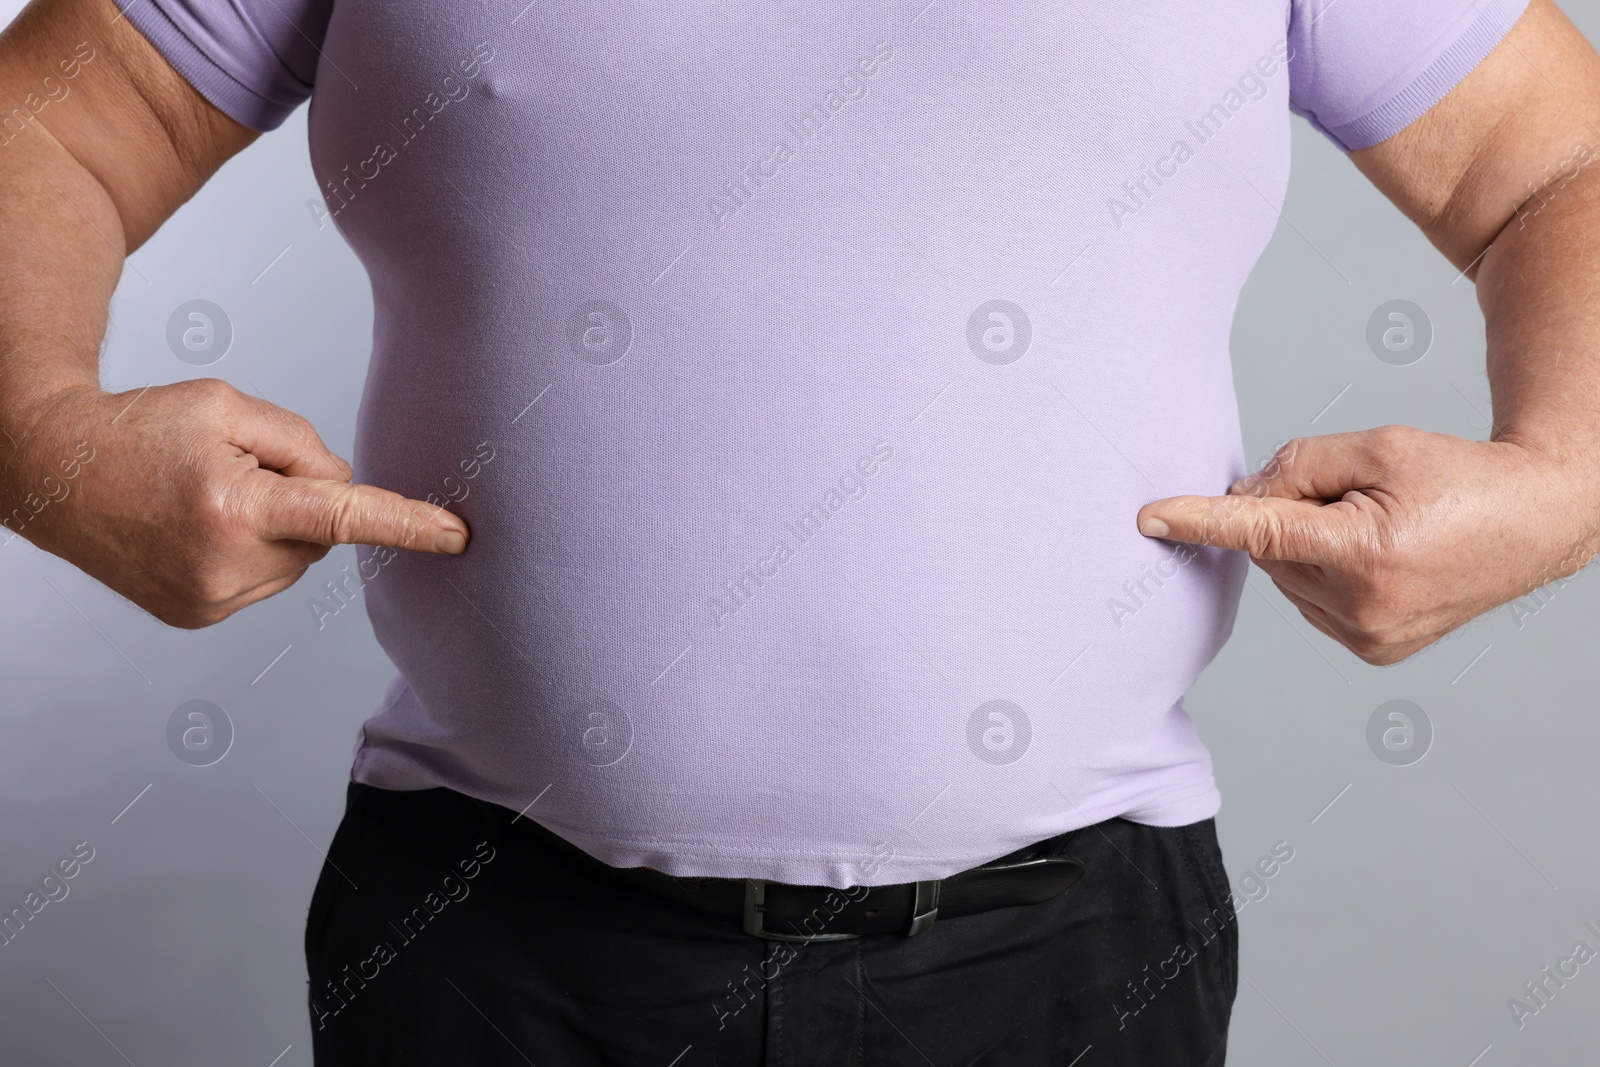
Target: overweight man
<point x="798" y="477"/>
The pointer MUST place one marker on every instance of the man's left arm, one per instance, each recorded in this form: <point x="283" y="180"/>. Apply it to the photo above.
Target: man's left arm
<point x="1388" y="539"/>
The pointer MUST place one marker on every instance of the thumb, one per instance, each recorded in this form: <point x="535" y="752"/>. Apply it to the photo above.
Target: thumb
<point x="1264" y="527"/>
<point x="285" y="442"/>
<point x="1316" y="468"/>
<point x="328" y="512"/>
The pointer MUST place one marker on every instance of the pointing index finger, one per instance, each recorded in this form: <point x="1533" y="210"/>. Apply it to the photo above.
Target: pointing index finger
<point x="328" y="512"/>
<point x="1264" y="527"/>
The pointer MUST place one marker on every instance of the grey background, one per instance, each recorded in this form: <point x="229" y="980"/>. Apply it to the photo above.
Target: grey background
<point x="1414" y="906"/>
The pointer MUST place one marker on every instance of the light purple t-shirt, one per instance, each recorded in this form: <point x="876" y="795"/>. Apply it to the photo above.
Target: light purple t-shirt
<point x="800" y="369"/>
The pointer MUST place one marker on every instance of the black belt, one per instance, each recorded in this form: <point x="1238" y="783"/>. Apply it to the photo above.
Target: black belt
<point x="779" y="911"/>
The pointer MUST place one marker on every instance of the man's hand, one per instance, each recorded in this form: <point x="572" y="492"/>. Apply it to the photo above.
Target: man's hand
<point x="1388" y="539"/>
<point x="194" y="500"/>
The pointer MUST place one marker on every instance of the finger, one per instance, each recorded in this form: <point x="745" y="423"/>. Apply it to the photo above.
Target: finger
<point x="1315" y="468"/>
<point x="1265" y="527"/>
<point x="289" y="557"/>
<point x="274" y="566"/>
<point x="328" y="512"/>
<point x="210" y="614"/>
<point x="1304" y="579"/>
<point x="285" y="442"/>
<point x="1380" y="655"/>
<point x="1313" y="614"/>
<point x="299" y="555"/>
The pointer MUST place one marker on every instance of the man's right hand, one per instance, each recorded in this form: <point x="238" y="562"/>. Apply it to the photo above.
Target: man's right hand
<point x="194" y="500"/>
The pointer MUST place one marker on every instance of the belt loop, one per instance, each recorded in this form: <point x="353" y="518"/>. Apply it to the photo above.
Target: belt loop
<point x="925" y="908"/>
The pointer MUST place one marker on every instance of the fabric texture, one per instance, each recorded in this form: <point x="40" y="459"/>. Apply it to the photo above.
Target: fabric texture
<point x="800" y="369"/>
<point x="460" y="937"/>
<point x="1371" y="69"/>
<point x="255" y="60"/>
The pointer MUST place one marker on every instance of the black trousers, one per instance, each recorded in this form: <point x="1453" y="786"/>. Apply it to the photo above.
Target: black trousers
<point x="444" y="931"/>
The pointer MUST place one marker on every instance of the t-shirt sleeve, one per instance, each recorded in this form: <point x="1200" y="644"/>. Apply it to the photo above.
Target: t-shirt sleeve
<point x="255" y="60"/>
<point x="1363" y="70"/>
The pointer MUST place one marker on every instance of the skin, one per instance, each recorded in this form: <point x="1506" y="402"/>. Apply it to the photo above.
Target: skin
<point x="197" y="500"/>
<point x="1388" y="539"/>
<point x="200" y="500"/>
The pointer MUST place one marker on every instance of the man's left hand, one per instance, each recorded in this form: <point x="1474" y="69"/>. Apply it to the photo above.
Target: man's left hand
<point x="1388" y="539"/>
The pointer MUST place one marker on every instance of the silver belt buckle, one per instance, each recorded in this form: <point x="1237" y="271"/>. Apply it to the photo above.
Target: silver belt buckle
<point x="924" y="910"/>
<point x="755" y="904"/>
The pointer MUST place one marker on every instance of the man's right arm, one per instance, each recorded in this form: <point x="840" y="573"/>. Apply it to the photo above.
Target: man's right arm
<point x="195" y="499"/>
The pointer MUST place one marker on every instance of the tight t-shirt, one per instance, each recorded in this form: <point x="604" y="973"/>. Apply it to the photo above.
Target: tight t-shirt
<point x="799" y="369"/>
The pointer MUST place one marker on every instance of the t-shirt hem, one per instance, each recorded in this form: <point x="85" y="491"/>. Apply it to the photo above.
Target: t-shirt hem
<point x="1179" y="808"/>
<point x="808" y="863"/>
<point x="231" y="96"/>
<point x="398" y="687"/>
<point x="1486" y="30"/>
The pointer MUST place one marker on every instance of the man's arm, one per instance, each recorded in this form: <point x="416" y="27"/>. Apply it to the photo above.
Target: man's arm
<point x="192" y="499"/>
<point x="1502" y="178"/>
<point x="1388" y="539"/>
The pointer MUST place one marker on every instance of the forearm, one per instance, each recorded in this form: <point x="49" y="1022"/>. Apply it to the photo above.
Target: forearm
<point x="60" y="256"/>
<point x="61" y="253"/>
<point x="1539" y="288"/>
<point x="62" y="236"/>
<point x="1503" y="176"/>
<point x="100" y="142"/>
